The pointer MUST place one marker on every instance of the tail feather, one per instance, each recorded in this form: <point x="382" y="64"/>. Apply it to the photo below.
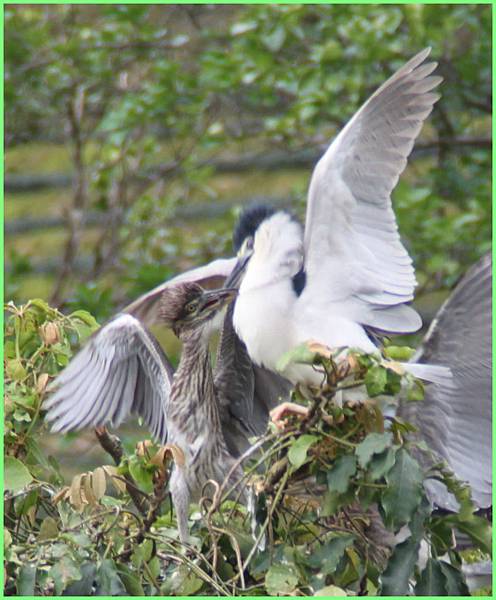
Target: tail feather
<point x="431" y="373"/>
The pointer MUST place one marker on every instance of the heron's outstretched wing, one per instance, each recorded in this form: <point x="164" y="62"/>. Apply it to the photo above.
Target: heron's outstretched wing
<point x="246" y="393"/>
<point x="210" y="276"/>
<point x="121" y="370"/>
<point x="456" y="421"/>
<point x="353" y="252"/>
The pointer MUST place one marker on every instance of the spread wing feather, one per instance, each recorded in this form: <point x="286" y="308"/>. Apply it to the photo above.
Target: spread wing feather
<point x="353" y="252"/>
<point x="209" y="276"/>
<point x="455" y="419"/>
<point x="121" y="370"/>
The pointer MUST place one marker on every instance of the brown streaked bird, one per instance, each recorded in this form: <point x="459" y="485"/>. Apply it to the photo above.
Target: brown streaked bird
<point x="123" y="370"/>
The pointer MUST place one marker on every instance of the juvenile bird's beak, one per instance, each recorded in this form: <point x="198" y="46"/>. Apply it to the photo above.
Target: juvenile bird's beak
<point x="234" y="279"/>
<point x="216" y="299"/>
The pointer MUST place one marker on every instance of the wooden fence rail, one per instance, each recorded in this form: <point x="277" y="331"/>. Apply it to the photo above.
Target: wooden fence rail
<point x="269" y="161"/>
<point x="209" y="210"/>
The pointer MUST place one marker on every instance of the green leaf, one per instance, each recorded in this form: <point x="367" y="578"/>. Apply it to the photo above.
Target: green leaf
<point x="441" y="536"/>
<point x="35" y="454"/>
<point x="415" y="391"/>
<point x="393" y="385"/>
<point x="48" y="529"/>
<point x="15" y="369"/>
<point x="280" y="580"/>
<point x="300" y="354"/>
<point x="327" y="556"/>
<point x="298" y="452"/>
<point x="153" y="570"/>
<point x="84" y="323"/>
<point x="399" y="353"/>
<point x="64" y="572"/>
<point x="432" y="581"/>
<point x="404" y="492"/>
<point x="84" y="586"/>
<point x="26" y="580"/>
<point x="43" y="306"/>
<point x="108" y="580"/>
<point x="374" y="443"/>
<point x="376" y="380"/>
<point x="455" y="582"/>
<point x="400" y="568"/>
<point x="338" y="478"/>
<point x="7" y="538"/>
<point x="382" y="463"/>
<point x="85" y="317"/>
<point x="331" y="502"/>
<point x="130" y="580"/>
<point x="25" y="502"/>
<point x="401" y="565"/>
<point x="478" y="529"/>
<point x="141" y="475"/>
<point x="16" y="475"/>
<point x="182" y="582"/>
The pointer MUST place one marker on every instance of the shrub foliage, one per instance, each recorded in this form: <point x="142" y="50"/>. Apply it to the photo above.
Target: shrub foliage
<point x="329" y="493"/>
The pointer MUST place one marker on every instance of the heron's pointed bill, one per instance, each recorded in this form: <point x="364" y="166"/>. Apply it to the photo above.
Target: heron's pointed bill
<point x="216" y="299"/>
<point x="237" y="273"/>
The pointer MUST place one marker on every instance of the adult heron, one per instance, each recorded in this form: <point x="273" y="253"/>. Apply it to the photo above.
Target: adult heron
<point x="357" y="276"/>
<point x="123" y="370"/>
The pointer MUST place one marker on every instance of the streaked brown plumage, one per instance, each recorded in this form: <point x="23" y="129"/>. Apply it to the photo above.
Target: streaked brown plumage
<point x="123" y="370"/>
<point x="194" y="417"/>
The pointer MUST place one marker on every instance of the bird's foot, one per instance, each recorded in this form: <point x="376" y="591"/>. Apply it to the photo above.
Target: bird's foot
<point x="284" y="409"/>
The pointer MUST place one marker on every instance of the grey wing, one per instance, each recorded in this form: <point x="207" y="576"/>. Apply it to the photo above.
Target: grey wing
<point x="246" y="392"/>
<point x="209" y="276"/>
<point x="121" y="370"/>
<point x="353" y="252"/>
<point x="455" y="420"/>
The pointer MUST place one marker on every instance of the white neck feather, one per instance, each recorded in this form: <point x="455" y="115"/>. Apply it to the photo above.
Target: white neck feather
<point x="277" y="252"/>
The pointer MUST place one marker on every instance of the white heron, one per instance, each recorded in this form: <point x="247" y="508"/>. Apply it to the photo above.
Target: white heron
<point x="357" y="275"/>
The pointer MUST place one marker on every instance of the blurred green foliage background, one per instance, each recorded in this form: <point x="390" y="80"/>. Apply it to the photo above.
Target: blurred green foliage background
<point x="135" y="132"/>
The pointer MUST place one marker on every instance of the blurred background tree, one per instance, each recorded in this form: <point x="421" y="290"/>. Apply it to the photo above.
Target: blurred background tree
<point x="134" y="133"/>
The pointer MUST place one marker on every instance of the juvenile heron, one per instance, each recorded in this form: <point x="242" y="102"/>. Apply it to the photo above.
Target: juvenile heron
<point x="347" y="278"/>
<point x="123" y="370"/>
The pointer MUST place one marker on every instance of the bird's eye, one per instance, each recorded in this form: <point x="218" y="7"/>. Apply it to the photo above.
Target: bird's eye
<point x="191" y="307"/>
<point x="247" y="246"/>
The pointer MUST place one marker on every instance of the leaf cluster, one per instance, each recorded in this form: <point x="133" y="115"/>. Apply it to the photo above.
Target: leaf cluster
<point x="338" y="504"/>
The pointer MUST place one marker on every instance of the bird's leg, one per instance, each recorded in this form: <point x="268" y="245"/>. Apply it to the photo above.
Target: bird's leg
<point x="284" y="409"/>
<point x="180" y="499"/>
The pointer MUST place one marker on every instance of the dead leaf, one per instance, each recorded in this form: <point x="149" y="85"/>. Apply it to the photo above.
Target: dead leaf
<point x="75" y="492"/>
<point x="393" y="366"/>
<point x="99" y="483"/>
<point x="172" y="450"/>
<point x="320" y="349"/>
<point x="88" y="489"/>
<point x="142" y="448"/>
<point x="50" y="333"/>
<point x="115" y="478"/>
<point x="42" y="383"/>
<point x="61" y="494"/>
